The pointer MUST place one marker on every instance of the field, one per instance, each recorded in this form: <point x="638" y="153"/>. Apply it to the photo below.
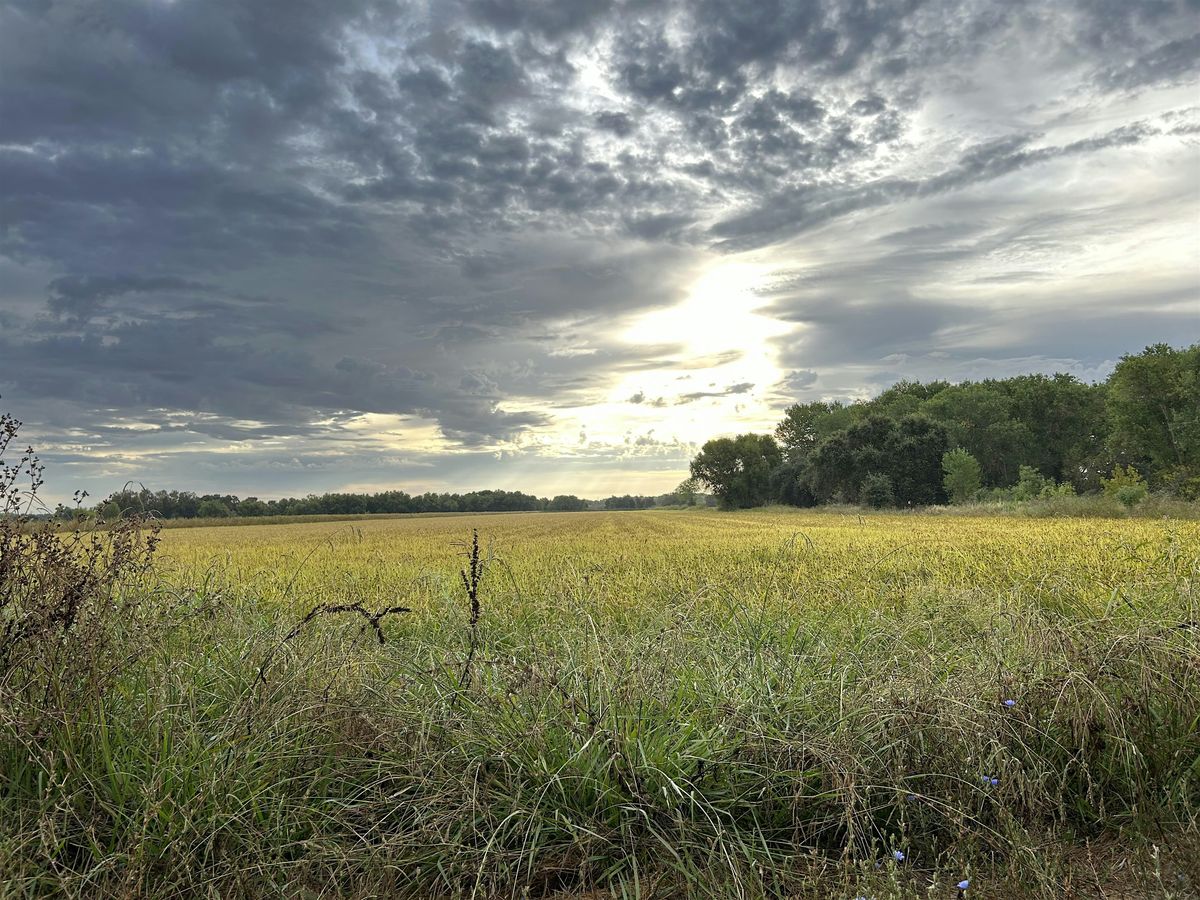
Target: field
<point x="659" y="704"/>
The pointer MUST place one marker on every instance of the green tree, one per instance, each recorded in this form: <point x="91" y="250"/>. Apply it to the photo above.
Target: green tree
<point x="1030" y="483"/>
<point x="686" y="493"/>
<point x="1154" y="406"/>
<point x="566" y="503"/>
<point x="962" y="476"/>
<point x="1066" y="422"/>
<point x="738" y="470"/>
<point x="876" y="491"/>
<point x="1126" y="485"/>
<point x="979" y="418"/>
<point x="805" y="425"/>
<point x="212" y="508"/>
<point x="908" y="451"/>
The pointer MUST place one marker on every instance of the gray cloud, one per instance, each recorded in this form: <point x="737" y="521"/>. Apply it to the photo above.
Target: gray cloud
<point x="231" y="221"/>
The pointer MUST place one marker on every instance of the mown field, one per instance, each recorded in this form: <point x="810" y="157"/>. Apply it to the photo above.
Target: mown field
<point x="657" y="704"/>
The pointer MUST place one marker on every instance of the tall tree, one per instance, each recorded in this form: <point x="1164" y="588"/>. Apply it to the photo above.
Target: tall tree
<point x="961" y="475"/>
<point x="804" y="425"/>
<point x="738" y="470"/>
<point x="1154" y="405"/>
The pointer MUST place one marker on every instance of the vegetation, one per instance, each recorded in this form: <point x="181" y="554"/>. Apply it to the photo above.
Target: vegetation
<point x="962" y="476"/>
<point x="168" y="505"/>
<point x="1028" y="437"/>
<point x="668" y="704"/>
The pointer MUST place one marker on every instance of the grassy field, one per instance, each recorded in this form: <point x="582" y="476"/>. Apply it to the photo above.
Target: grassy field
<point x="658" y="704"/>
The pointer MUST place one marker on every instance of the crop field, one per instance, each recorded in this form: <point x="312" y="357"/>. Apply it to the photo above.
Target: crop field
<point x="638" y="704"/>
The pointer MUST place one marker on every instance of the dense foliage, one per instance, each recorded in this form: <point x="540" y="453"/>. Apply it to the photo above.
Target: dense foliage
<point x="189" y="505"/>
<point x="1017" y="438"/>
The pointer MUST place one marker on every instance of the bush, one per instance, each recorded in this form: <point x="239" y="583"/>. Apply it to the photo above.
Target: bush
<point x="61" y="603"/>
<point x="963" y="476"/>
<point x="1126" y="485"/>
<point x="876" y="491"/>
<point x="1030" y="484"/>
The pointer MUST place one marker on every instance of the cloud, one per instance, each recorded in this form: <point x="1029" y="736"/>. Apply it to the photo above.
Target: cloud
<point x="271" y="221"/>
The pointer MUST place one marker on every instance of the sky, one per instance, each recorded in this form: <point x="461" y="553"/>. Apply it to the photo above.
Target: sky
<point x="274" y="247"/>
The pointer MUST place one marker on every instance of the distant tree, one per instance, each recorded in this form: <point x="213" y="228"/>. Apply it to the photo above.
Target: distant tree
<point x="805" y="425"/>
<point x="978" y="417"/>
<point x="212" y="508"/>
<point x="686" y="492"/>
<point x="252" y="506"/>
<point x="1066" y="422"/>
<point x="1154" y="406"/>
<point x="738" y="470"/>
<point x="905" y="398"/>
<point x="908" y="451"/>
<point x="1030" y="484"/>
<point x="566" y="503"/>
<point x="628" y="501"/>
<point x="962" y="477"/>
<point x="876" y="491"/>
<point x="789" y="485"/>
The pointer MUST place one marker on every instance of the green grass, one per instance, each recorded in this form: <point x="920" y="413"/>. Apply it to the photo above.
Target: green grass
<point x="685" y="704"/>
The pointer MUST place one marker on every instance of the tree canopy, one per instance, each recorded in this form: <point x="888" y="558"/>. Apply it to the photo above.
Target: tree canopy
<point x="1029" y="435"/>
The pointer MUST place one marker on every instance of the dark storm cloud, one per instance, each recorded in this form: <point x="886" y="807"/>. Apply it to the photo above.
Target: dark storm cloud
<point x="272" y="216"/>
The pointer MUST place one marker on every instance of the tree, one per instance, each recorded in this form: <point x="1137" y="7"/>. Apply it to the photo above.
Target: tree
<point x="1154" y="405"/>
<point x="1066" y="421"/>
<point x="979" y="418"/>
<point x="566" y="503"/>
<point x="962" y="476"/>
<point x="685" y="493"/>
<point x="876" y="491"/>
<point x="908" y="452"/>
<point x="789" y="484"/>
<point x="738" y="470"/>
<point x="914" y="452"/>
<point x="1126" y="485"/>
<point x="804" y="425"/>
<point x="212" y="508"/>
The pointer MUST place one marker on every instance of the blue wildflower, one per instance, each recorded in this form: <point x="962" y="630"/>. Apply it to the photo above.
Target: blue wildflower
<point x="964" y="884"/>
<point x="1010" y="703"/>
<point x="898" y="855"/>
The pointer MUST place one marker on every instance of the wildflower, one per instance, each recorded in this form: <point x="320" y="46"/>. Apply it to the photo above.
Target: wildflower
<point x="898" y="855"/>
<point x="910" y="797"/>
<point x="1010" y="703"/>
<point x="989" y="780"/>
<point x="964" y="884"/>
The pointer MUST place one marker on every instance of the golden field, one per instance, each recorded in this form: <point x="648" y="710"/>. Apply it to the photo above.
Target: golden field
<point x="661" y="704"/>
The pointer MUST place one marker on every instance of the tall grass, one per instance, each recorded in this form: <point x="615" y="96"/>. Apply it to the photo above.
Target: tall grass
<point x="657" y="705"/>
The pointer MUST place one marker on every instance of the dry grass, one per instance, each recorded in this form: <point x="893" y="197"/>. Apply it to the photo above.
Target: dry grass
<point x="660" y="704"/>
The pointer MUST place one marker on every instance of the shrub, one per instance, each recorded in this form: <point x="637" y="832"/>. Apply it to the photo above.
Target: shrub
<point x="1030" y="484"/>
<point x="1126" y="485"/>
<point x="876" y="491"/>
<point x="963" y="477"/>
<point x="60" y="593"/>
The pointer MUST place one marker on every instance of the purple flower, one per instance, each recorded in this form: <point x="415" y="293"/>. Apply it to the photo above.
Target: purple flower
<point x="898" y="855"/>
<point x="1010" y="703"/>
<point x="910" y="797"/>
<point x="989" y="780"/>
<point x="964" y="884"/>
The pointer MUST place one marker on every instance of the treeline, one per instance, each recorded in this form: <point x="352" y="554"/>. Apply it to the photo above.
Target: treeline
<point x="189" y="505"/>
<point x="1012" y="438"/>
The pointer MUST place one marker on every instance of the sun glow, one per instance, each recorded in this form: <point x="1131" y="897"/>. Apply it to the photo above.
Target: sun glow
<point x="726" y="353"/>
<point x="719" y="315"/>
